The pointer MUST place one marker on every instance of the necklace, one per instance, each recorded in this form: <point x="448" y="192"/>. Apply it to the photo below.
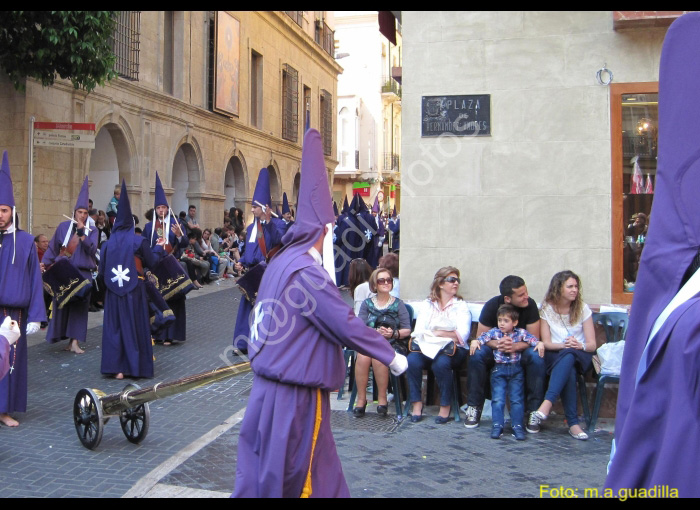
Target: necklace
<point x="385" y="305"/>
<point x="14" y="346"/>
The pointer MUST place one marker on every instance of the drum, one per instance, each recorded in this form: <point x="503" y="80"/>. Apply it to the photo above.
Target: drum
<point x="161" y="316"/>
<point x="249" y="283"/>
<point x="173" y="281"/>
<point x="65" y="283"/>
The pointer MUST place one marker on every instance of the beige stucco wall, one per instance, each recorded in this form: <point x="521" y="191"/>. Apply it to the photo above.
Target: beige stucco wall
<point x="149" y="126"/>
<point x="534" y="197"/>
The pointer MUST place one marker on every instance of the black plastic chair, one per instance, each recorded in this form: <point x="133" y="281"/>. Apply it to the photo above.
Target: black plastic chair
<point x="615" y="326"/>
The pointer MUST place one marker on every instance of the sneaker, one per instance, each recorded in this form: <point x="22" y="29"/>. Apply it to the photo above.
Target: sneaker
<point x="518" y="432"/>
<point x="473" y="417"/>
<point x="533" y="424"/>
<point x="496" y="432"/>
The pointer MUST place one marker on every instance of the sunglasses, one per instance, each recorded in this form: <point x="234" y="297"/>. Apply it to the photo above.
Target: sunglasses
<point x="384" y="281"/>
<point x="452" y="279"/>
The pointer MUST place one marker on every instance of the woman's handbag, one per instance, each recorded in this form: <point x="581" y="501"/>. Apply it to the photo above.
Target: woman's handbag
<point x="448" y="350"/>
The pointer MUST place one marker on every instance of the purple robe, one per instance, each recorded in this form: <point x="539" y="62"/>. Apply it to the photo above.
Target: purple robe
<point x="4" y="356"/>
<point x="176" y="330"/>
<point x="126" y="331"/>
<point x="252" y="255"/>
<point x="296" y="362"/>
<point x="71" y="321"/>
<point x="656" y="441"/>
<point x="22" y="298"/>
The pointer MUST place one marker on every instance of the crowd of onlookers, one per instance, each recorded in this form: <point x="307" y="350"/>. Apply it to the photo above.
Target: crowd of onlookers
<point x="211" y="253"/>
<point x="526" y="354"/>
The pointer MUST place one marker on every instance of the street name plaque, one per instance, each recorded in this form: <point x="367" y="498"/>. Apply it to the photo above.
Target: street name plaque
<point x="456" y="115"/>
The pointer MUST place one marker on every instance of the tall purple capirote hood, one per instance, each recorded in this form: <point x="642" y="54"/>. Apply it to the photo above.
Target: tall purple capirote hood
<point x="674" y="230"/>
<point x="83" y="197"/>
<point x="7" y="196"/>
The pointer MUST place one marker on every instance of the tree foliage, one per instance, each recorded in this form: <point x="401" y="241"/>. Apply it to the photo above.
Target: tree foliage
<point x="75" y="45"/>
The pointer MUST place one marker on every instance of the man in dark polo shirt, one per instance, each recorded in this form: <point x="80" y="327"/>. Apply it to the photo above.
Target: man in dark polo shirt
<point x="514" y="292"/>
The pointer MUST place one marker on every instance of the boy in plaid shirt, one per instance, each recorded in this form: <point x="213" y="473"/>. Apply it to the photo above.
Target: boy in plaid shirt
<point x="507" y="374"/>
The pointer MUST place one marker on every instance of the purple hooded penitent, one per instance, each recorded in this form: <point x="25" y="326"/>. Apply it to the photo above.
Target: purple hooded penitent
<point x="177" y="329"/>
<point x="21" y="297"/>
<point x="71" y="321"/>
<point x="300" y="326"/>
<point x="658" y="417"/>
<point x="126" y="331"/>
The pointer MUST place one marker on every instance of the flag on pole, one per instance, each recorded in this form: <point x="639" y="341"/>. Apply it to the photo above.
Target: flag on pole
<point x="649" y="187"/>
<point x="637" y="182"/>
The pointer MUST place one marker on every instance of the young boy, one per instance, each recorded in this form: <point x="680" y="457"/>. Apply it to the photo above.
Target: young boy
<point x="507" y="372"/>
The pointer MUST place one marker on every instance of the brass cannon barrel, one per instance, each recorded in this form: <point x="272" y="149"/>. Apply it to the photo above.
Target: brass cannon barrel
<point x="129" y="398"/>
<point x="92" y="408"/>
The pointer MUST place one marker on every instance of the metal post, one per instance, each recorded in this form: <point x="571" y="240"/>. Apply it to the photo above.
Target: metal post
<point x="30" y="174"/>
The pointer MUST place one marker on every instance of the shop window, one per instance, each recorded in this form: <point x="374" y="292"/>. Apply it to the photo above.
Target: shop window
<point x="634" y="137"/>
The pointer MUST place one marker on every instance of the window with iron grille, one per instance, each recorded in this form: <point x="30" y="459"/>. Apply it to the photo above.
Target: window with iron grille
<point x="125" y="44"/>
<point x="327" y="121"/>
<point x="290" y="103"/>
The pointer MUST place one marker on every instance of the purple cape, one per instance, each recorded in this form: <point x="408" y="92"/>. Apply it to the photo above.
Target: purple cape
<point x="656" y="440"/>
<point x="71" y="321"/>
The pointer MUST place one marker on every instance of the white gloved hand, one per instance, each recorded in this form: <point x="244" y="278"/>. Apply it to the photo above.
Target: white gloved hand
<point x="33" y="327"/>
<point x="399" y="365"/>
<point x="10" y="330"/>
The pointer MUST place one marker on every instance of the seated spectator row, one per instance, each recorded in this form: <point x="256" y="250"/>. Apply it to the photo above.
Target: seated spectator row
<point x="519" y="345"/>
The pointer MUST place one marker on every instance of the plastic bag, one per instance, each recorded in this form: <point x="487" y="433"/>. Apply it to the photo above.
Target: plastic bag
<point x="610" y="356"/>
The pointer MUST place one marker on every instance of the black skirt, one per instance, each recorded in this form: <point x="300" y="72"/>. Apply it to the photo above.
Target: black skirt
<point x="582" y="364"/>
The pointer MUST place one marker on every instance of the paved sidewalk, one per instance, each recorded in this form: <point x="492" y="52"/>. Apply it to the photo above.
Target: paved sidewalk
<point x="190" y="450"/>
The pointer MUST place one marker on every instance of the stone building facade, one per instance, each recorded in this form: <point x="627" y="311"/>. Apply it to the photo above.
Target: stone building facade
<point x="166" y="118"/>
<point x="549" y="188"/>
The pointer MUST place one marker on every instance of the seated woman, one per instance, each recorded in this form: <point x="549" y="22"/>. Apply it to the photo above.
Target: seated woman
<point x="389" y="316"/>
<point x="358" y="279"/>
<point x="568" y="335"/>
<point x="444" y="314"/>
<point x="390" y="261"/>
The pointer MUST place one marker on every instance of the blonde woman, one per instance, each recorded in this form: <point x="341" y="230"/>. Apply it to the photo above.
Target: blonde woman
<point x="568" y="335"/>
<point x="444" y="314"/>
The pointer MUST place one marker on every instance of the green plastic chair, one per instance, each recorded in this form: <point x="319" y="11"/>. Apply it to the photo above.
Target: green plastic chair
<point x="615" y="326"/>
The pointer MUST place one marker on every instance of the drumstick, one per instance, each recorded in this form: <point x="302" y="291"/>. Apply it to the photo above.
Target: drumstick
<point x="265" y="207"/>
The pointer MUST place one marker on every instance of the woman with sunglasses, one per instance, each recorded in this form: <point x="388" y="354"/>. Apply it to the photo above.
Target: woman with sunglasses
<point x="568" y="335"/>
<point x="444" y="314"/>
<point x="389" y="316"/>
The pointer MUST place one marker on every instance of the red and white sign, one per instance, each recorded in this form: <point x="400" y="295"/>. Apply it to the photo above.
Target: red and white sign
<point x="73" y="126"/>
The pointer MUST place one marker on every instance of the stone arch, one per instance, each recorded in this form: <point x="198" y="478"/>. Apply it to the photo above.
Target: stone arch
<point x="185" y="175"/>
<point x="111" y="161"/>
<point x="236" y="181"/>
<point x="275" y="184"/>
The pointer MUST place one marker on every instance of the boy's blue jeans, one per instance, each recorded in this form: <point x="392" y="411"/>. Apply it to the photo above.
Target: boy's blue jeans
<point x="507" y="377"/>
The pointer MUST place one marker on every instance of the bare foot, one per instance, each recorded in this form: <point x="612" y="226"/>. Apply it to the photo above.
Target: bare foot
<point x="8" y="420"/>
<point x="119" y="376"/>
<point x="75" y="347"/>
<point x="167" y="342"/>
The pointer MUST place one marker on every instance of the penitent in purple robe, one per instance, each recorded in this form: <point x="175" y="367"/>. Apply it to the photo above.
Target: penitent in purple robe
<point x="4" y="356"/>
<point x="22" y="298"/>
<point x="300" y="326"/>
<point x="176" y="330"/>
<point x="126" y="331"/>
<point x="71" y="321"/>
<point x="658" y="417"/>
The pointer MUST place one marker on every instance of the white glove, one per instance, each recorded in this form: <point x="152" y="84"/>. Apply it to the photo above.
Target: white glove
<point x="10" y="330"/>
<point x="33" y="327"/>
<point x="399" y="365"/>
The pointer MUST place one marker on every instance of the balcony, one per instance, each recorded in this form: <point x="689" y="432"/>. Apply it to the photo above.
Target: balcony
<point x="391" y="162"/>
<point x="297" y="16"/>
<point x="391" y="86"/>
<point x="325" y="36"/>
